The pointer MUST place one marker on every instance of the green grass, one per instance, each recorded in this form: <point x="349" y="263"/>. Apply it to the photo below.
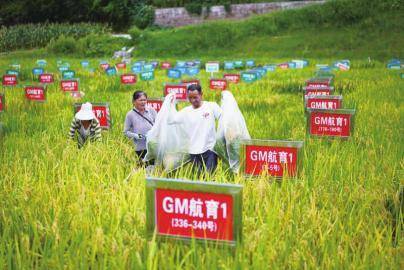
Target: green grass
<point x="355" y="29"/>
<point x="65" y="208"/>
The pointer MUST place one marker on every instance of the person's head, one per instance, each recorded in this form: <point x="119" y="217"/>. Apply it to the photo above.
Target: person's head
<point x="195" y="95"/>
<point x="85" y="114"/>
<point x="139" y="100"/>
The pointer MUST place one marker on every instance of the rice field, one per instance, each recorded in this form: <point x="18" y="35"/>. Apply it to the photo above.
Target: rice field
<point x="64" y="208"/>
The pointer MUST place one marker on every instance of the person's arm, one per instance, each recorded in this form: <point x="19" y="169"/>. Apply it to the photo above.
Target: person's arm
<point x="174" y="117"/>
<point x="217" y="111"/>
<point x="73" y="127"/>
<point x="128" y="130"/>
<point x="128" y="127"/>
<point x="97" y="131"/>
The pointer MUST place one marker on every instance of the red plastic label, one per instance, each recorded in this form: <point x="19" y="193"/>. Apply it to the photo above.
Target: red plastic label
<point x="330" y="124"/>
<point x="36" y="93"/>
<point x="271" y="159"/>
<point x="194" y="214"/>
<point x="219" y="84"/>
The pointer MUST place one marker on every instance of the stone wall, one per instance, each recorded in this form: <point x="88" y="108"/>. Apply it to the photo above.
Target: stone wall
<point x="180" y="17"/>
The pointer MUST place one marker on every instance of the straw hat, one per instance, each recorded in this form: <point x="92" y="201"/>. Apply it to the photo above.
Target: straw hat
<point x="86" y="112"/>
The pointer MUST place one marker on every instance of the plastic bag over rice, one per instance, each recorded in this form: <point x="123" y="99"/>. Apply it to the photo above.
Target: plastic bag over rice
<point x="167" y="144"/>
<point x="232" y="129"/>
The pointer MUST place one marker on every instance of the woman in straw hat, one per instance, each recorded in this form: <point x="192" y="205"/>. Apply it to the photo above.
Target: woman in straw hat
<point x="85" y="125"/>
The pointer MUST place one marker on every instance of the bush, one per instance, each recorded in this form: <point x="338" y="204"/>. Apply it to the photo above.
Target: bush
<point x="93" y="45"/>
<point x="28" y="36"/>
<point x="135" y="34"/>
<point x="100" y="45"/>
<point x="63" y="45"/>
<point x="143" y="16"/>
<point x="194" y="8"/>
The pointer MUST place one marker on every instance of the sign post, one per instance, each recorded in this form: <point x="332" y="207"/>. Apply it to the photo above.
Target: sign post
<point x="186" y="210"/>
<point x="322" y="102"/>
<point x="69" y="85"/>
<point x="180" y="90"/>
<point x="272" y="157"/>
<point x="154" y="103"/>
<point x="35" y="93"/>
<point x="101" y="111"/>
<point x="212" y="67"/>
<point x="2" y="103"/>
<point x="337" y="123"/>
<point x="128" y="79"/>
<point x="9" y="80"/>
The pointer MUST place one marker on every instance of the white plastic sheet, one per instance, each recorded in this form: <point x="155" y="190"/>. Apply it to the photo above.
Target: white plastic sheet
<point x="167" y="144"/>
<point x="232" y="129"/>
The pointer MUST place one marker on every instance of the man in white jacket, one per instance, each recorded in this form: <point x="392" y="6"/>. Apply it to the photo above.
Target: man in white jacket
<point x="199" y="121"/>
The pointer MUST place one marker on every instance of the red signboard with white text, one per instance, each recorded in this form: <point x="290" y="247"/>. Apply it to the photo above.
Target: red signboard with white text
<point x="69" y="85"/>
<point x="45" y="78"/>
<point x="189" y="82"/>
<point x="319" y="83"/>
<point x="323" y="102"/>
<point x="165" y="65"/>
<point x="128" y="79"/>
<point x="35" y="93"/>
<point x="233" y="78"/>
<point x="155" y="104"/>
<point x="2" y="103"/>
<point x="194" y="214"/>
<point x="101" y="112"/>
<point x="315" y="91"/>
<point x="194" y="210"/>
<point x="331" y="123"/>
<point x="180" y="90"/>
<point x="104" y="66"/>
<point x="9" y="80"/>
<point x="275" y="158"/>
<point x="219" y="84"/>
<point x="120" y="66"/>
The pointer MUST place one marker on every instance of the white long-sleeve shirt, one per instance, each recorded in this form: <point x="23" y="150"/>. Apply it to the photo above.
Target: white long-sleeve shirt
<point x="200" y="125"/>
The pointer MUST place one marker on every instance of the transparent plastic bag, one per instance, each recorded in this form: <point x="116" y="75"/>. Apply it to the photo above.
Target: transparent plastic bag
<point x="232" y="129"/>
<point x="167" y="144"/>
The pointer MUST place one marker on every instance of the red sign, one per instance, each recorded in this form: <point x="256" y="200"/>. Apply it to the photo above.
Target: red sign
<point x="190" y="82"/>
<point x="45" y="78"/>
<point x="180" y="90"/>
<point x="323" y="123"/>
<point x="233" y="78"/>
<point x="9" y="80"/>
<point x="194" y="214"/>
<point x="35" y="93"/>
<point x="324" y="102"/>
<point x="283" y="66"/>
<point x="120" y="66"/>
<point x="69" y="85"/>
<point x="2" y="103"/>
<point x="155" y="104"/>
<point x="272" y="159"/>
<point x="104" y="66"/>
<point x="128" y="79"/>
<point x="318" y="83"/>
<point x="165" y="65"/>
<point x="310" y="91"/>
<point x="220" y="84"/>
<point x="101" y="112"/>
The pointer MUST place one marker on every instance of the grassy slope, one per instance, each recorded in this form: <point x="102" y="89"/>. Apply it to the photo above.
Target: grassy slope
<point x="281" y="34"/>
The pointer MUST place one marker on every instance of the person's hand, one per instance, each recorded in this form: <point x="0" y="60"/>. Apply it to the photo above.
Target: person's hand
<point x="138" y="136"/>
<point x="171" y="97"/>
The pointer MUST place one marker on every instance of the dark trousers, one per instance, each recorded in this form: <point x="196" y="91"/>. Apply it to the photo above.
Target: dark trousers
<point x="141" y="154"/>
<point x="206" y="160"/>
